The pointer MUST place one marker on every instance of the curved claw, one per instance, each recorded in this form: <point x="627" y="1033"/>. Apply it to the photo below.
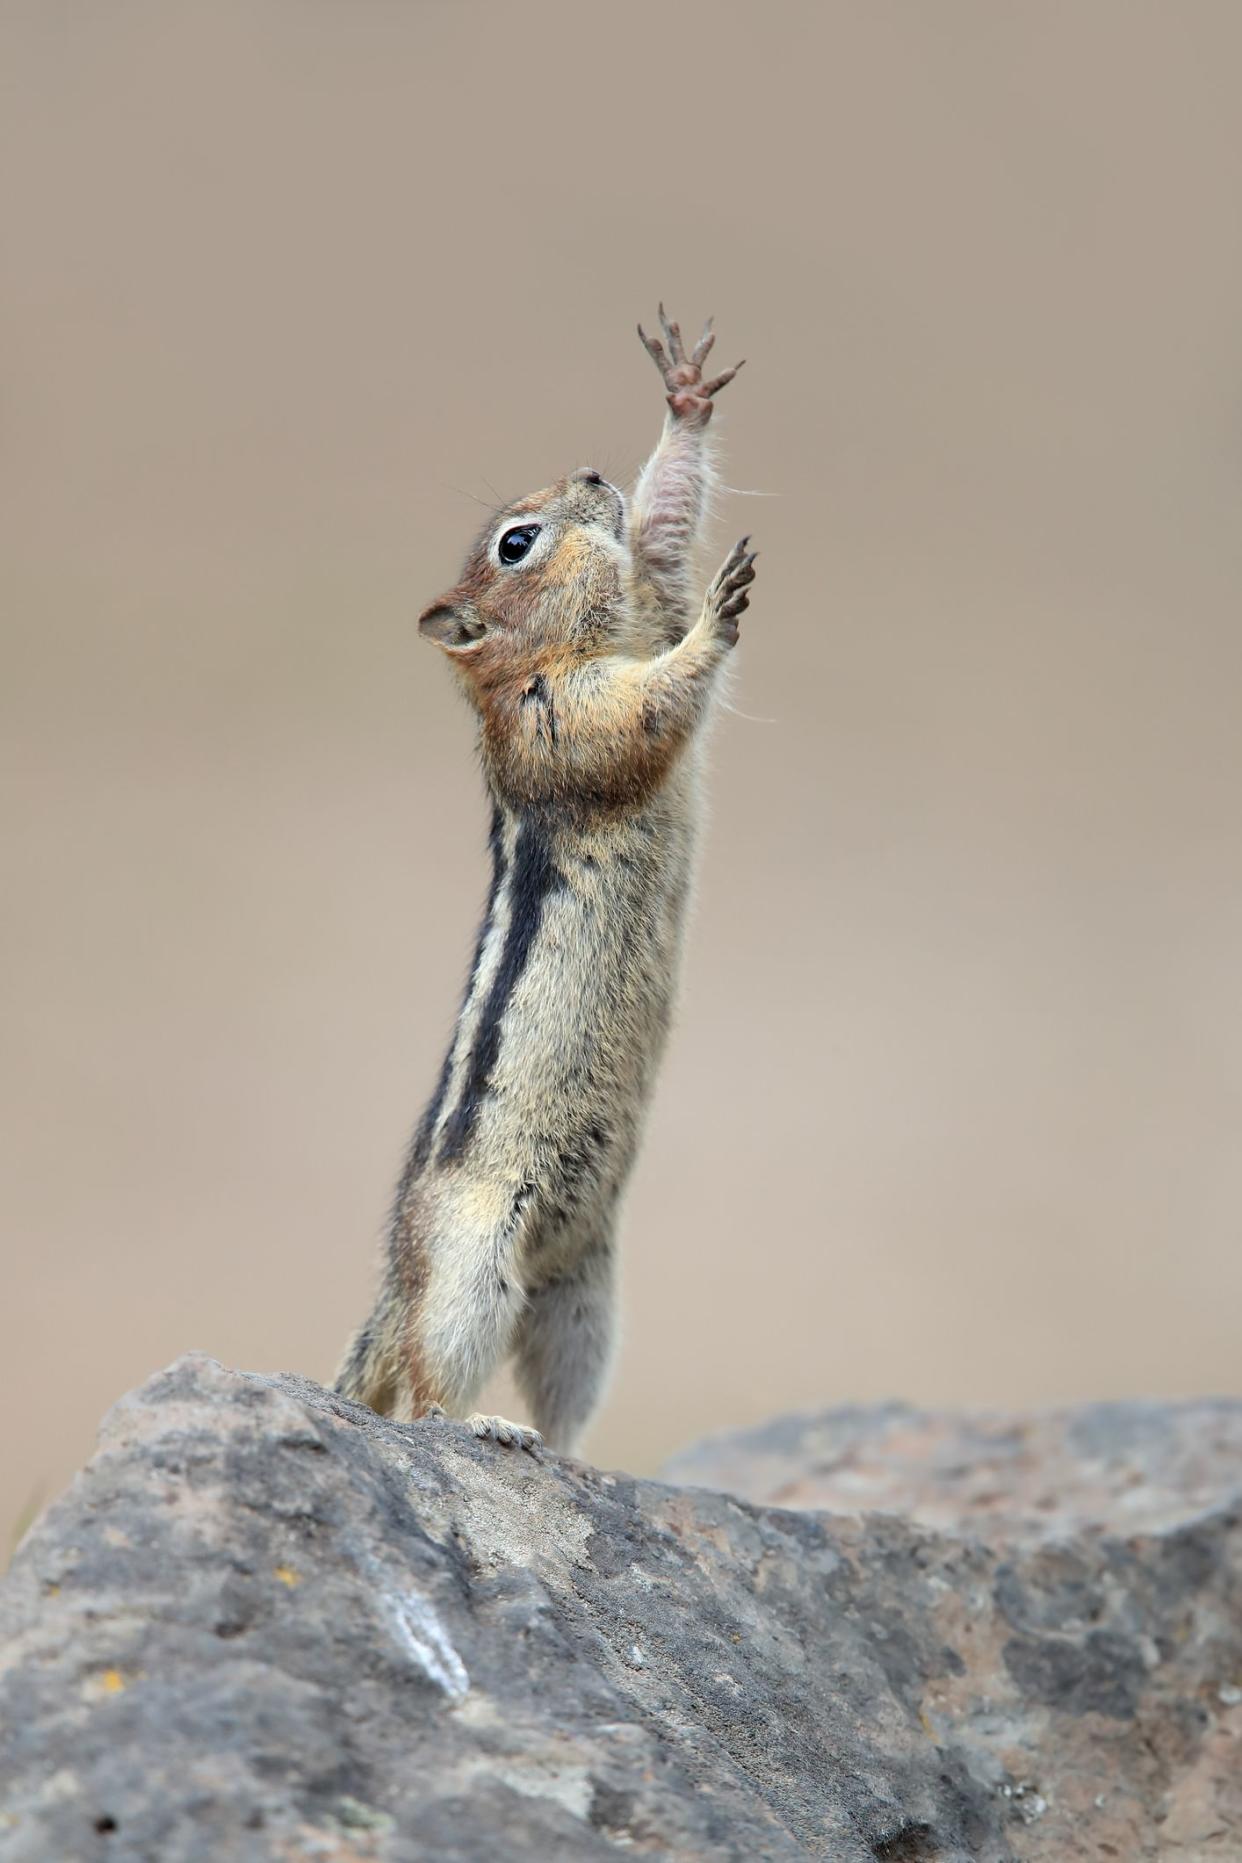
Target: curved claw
<point x="702" y="348"/>
<point x="736" y="557"/>
<point x="672" y="336"/>
<point x="722" y="380"/>
<point x="655" y="349"/>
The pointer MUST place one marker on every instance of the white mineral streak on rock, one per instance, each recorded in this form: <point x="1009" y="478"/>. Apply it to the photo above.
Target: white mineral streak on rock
<point x="420" y="1632"/>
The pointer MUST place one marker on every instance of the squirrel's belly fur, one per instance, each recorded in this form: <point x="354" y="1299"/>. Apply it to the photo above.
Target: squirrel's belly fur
<point x="571" y="630"/>
<point x="563" y="1024"/>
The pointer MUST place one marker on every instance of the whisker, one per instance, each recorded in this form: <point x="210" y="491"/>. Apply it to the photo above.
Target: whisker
<point x="463" y="493"/>
<point x="748" y="716"/>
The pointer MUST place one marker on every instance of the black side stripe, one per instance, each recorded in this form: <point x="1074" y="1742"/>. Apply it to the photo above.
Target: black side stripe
<point x="535" y="875"/>
<point x="421" y="1149"/>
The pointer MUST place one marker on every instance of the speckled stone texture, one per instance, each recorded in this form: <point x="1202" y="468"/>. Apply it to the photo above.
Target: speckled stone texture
<point x="264" y="1623"/>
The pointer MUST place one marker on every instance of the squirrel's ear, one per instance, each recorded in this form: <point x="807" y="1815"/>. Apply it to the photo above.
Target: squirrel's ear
<point x="451" y="625"/>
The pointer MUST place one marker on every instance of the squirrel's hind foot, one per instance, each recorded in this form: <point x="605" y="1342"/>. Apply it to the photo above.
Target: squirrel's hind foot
<point x="500" y="1430"/>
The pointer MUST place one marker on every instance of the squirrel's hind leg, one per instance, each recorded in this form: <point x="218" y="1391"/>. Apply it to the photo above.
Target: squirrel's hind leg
<point x="564" y="1347"/>
<point x="371" y="1371"/>
<point x="461" y="1329"/>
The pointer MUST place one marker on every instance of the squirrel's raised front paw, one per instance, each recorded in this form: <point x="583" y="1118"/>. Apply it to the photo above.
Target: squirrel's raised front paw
<point x="500" y="1430"/>
<point x="728" y="594"/>
<point x="689" y="396"/>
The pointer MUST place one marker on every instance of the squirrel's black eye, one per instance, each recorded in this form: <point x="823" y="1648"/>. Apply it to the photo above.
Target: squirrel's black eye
<point x="515" y="543"/>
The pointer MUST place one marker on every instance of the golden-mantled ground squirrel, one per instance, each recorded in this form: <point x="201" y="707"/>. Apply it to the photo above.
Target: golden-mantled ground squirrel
<point x="571" y="630"/>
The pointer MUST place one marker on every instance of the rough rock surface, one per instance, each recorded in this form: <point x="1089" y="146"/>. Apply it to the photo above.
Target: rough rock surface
<point x="264" y="1623"/>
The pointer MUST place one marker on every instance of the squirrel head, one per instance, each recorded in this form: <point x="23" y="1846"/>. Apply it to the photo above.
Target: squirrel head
<point x="548" y="573"/>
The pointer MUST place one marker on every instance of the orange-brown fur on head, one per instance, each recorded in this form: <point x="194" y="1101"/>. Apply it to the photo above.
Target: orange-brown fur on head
<point x="566" y="598"/>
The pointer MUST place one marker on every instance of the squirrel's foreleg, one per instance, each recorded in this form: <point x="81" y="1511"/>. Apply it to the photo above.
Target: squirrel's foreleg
<point x="673" y="494"/>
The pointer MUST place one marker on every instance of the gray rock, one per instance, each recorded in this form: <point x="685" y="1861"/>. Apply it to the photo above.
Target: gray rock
<point x="264" y="1623"/>
<point x="1116" y="1468"/>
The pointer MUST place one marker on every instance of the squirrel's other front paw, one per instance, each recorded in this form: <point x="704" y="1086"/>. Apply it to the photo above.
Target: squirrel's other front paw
<point x="729" y="598"/>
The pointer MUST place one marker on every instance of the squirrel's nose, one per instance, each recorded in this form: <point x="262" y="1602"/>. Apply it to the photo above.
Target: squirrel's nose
<point x="589" y="476"/>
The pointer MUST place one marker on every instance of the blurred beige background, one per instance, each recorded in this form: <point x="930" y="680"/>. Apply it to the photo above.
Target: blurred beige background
<point x="953" y="1109"/>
